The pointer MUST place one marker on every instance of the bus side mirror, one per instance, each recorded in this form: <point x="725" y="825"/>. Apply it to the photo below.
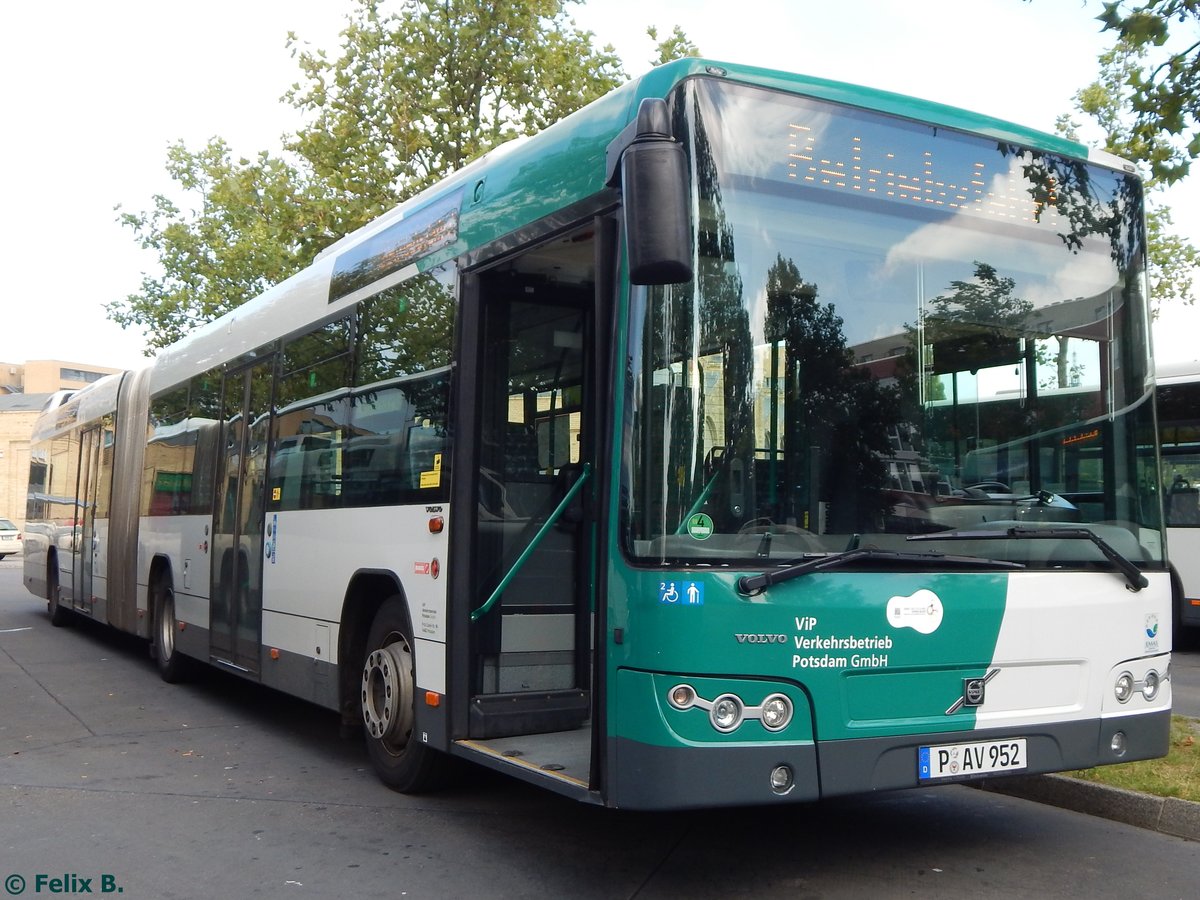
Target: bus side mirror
<point x="651" y="168"/>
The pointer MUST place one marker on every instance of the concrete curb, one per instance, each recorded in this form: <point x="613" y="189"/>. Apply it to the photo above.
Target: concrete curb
<point x="1167" y="815"/>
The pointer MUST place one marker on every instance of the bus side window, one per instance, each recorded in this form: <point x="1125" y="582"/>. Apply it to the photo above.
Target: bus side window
<point x="167" y="485"/>
<point x="398" y="447"/>
<point x="306" y="463"/>
<point x="311" y="408"/>
<point x="1183" y="503"/>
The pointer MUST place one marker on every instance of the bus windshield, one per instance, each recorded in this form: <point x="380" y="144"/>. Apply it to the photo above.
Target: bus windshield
<point x="894" y="330"/>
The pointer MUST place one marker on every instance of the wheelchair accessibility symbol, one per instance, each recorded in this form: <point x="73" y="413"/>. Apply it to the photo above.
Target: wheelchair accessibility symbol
<point x="681" y="593"/>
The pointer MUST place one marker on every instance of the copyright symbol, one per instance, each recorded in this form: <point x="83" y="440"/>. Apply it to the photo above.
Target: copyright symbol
<point x="14" y="884"/>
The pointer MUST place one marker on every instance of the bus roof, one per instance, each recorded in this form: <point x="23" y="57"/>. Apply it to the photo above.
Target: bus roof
<point x="66" y="409"/>
<point x="659" y="82"/>
<point x="1179" y="372"/>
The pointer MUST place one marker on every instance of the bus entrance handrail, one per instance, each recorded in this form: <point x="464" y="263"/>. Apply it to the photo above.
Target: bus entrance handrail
<point x="551" y="520"/>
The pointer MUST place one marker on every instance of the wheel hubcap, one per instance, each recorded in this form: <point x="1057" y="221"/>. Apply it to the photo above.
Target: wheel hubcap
<point x="387" y="690"/>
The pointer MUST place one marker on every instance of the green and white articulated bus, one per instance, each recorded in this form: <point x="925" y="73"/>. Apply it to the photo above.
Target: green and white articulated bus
<point x="719" y="445"/>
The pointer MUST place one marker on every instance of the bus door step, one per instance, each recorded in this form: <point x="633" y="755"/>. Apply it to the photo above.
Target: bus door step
<point x="533" y="712"/>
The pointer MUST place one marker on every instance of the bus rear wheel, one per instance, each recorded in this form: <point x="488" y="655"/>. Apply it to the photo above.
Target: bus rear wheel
<point x="59" y="614"/>
<point x="388" y="705"/>
<point x="172" y="665"/>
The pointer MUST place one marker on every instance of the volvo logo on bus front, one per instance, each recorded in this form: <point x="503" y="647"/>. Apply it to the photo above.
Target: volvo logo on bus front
<point x="972" y="693"/>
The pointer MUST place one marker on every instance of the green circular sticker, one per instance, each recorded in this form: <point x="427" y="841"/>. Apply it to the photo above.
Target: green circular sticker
<point x="700" y="526"/>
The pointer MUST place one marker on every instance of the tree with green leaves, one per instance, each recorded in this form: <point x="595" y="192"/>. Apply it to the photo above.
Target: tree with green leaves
<point x="253" y="225"/>
<point x="1163" y="79"/>
<point x="417" y="90"/>
<point x="1111" y="102"/>
<point x="676" y="45"/>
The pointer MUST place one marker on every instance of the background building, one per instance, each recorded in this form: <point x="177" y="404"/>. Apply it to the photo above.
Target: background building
<point x="24" y="390"/>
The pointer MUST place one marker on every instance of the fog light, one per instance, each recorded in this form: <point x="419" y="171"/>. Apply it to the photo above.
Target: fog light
<point x="1118" y="744"/>
<point x="1150" y="685"/>
<point x="1124" y="687"/>
<point x="776" y="712"/>
<point x="782" y="779"/>
<point x="682" y="696"/>
<point x="726" y="713"/>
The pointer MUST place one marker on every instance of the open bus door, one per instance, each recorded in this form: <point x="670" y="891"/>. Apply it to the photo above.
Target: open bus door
<point x="529" y="376"/>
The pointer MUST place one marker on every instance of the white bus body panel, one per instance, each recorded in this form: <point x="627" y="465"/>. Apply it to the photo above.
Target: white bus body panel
<point x="312" y="556"/>
<point x="186" y="541"/>
<point x="1057" y="629"/>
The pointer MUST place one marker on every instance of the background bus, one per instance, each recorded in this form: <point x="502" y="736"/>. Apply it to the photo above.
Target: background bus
<point x="1179" y="435"/>
<point x="667" y="459"/>
<point x="1071" y="464"/>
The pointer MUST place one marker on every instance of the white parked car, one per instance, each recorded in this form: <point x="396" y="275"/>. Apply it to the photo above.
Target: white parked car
<point x="10" y="538"/>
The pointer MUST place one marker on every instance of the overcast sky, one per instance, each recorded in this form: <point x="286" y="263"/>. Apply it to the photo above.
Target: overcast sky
<point x="96" y="92"/>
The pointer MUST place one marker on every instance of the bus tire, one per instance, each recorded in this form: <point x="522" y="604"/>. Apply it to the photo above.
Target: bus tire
<point x="172" y="665"/>
<point x="59" y="614"/>
<point x="388" y="704"/>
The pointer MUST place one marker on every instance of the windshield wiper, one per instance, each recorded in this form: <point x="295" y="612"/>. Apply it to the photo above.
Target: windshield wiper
<point x="1133" y="575"/>
<point x="756" y="584"/>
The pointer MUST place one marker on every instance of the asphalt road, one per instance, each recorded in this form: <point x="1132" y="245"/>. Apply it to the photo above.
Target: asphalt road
<point x="221" y="789"/>
<point x="1185" y="684"/>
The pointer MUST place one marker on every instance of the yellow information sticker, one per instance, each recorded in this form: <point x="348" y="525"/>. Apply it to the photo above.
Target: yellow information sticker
<point x="433" y="479"/>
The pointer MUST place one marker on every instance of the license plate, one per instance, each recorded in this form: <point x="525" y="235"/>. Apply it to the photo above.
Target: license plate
<point x="980" y="758"/>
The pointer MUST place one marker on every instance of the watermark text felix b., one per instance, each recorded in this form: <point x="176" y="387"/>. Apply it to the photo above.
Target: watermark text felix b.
<point x="67" y="883"/>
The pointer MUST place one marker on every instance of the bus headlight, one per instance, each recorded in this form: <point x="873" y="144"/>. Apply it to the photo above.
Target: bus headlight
<point x="1150" y="685"/>
<point x="726" y="713"/>
<point x="776" y="712"/>
<point x="1124" y="687"/>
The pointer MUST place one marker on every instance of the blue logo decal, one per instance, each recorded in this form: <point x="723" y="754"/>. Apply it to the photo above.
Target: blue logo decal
<point x="681" y="593"/>
<point x="1151" y="626"/>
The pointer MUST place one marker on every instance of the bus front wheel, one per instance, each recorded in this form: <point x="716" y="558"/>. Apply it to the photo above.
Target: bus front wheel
<point x="387" y="702"/>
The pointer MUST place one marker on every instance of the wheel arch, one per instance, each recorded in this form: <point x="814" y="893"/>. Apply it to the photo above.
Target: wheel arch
<point x="1185" y="635"/>
<point x="159" y="564"/>
<point x="366" y="593"/>
<point x="52" y="567"/>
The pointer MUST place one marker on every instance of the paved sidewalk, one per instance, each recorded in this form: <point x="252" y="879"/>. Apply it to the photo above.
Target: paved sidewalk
<point x="1167" y="815"/>
<point x="1163" y="814"/>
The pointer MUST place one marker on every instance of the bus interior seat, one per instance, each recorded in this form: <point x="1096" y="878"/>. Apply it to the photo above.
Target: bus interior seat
<point x="1183" y="505"/>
